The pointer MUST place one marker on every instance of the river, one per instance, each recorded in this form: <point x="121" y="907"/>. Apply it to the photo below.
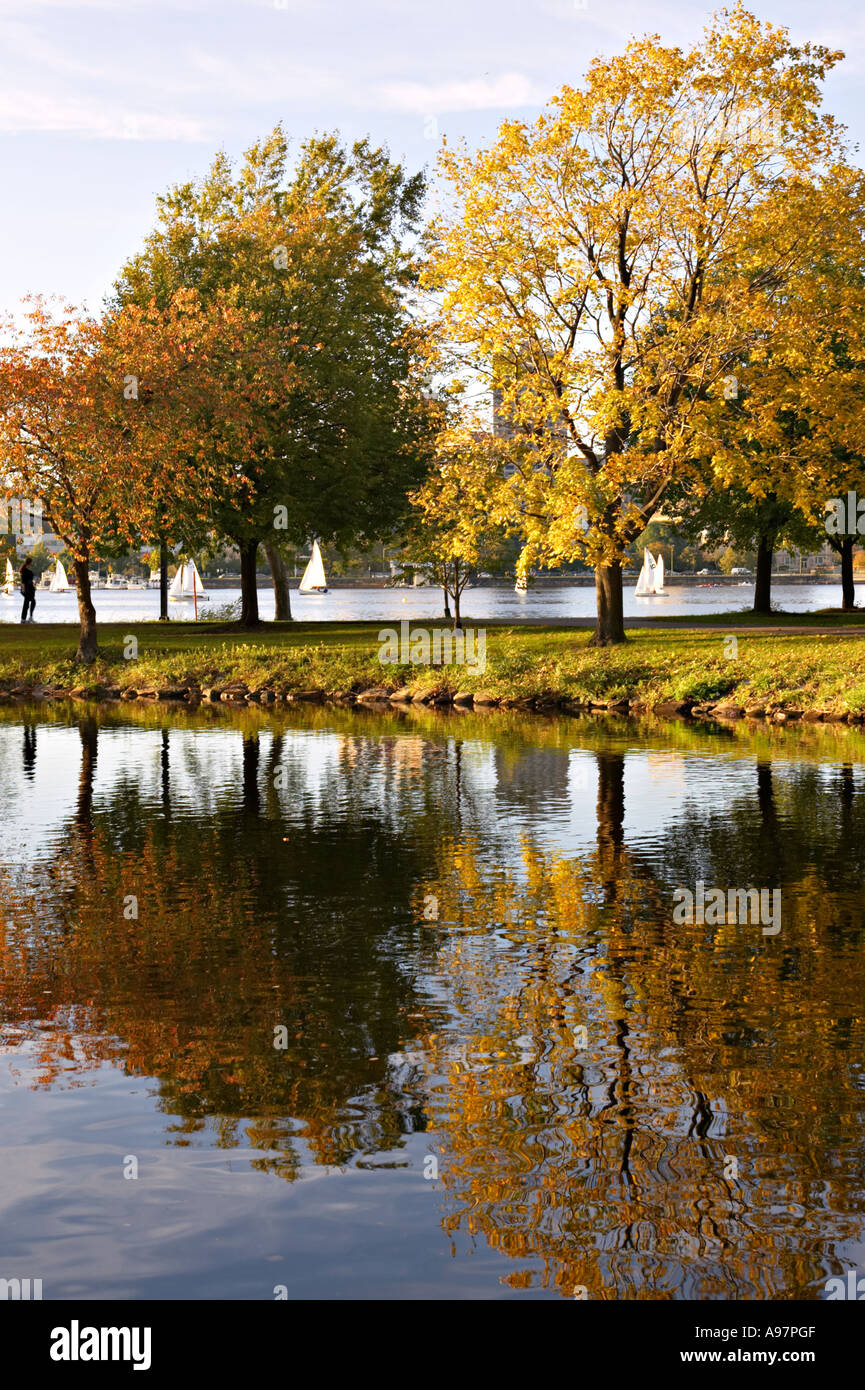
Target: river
<point x="358" y="1005"/>
<point x="346" y="605"/>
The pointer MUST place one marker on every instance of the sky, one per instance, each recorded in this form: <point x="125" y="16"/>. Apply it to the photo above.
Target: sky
<point x="106" y="103"/>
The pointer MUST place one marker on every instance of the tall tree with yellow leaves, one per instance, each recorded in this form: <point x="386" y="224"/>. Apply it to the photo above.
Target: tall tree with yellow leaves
<point x="607" y="264"/>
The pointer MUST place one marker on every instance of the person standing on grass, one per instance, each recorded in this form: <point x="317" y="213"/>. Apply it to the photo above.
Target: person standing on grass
<point x="28" y="590"/>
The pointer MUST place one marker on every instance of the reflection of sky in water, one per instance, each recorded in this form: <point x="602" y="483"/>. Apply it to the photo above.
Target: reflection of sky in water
<point x="548" y="794"/>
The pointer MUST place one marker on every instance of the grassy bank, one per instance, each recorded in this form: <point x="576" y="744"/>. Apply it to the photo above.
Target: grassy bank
<point x="796" y="671"/>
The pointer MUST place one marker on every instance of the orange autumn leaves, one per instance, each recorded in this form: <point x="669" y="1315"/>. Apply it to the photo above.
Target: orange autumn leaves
<point x="119" y="423"/>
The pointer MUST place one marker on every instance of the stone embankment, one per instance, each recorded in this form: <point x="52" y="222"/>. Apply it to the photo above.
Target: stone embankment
<point x="381" y="697"/>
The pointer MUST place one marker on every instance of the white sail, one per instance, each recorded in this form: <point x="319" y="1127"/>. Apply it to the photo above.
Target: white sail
<point x="59" y="581"/>
<point x="193" y="586"/>
<point x="9" y="582"/>
<point x="313" y="576"/>
<point x="175" y="592"/>
<point x="522" y="585"/>
<point x="646" y="581"/>
<point x="187" y="584"/>
<point x="651" y="580"/>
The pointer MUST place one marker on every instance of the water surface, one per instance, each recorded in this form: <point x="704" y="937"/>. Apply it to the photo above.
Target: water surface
<point x="432" y="909"/>
<point x="384" y="605"/>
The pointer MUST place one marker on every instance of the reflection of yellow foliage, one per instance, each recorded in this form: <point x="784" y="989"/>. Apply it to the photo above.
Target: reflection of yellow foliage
<point x="604" y="1165"/>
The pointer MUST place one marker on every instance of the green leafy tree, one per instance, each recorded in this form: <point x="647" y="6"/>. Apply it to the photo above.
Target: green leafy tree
<point x="750" y="524"/>
<point x="320" y="253"/>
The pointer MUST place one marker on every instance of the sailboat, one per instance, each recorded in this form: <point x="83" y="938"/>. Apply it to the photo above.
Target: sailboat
<point x="59" y="582"/>
<point x="313" y="581"/>
<point x="522" y="585"/>
<point x="9" y="581"/>
<point x="187" y="585"/>
<point x="651" y="580"/>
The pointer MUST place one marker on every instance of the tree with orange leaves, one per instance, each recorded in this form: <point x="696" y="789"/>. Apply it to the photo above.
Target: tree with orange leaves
<point x="119" y="423"/>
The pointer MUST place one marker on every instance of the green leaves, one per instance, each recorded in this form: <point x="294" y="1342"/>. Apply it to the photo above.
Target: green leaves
<point x="314" y="257"/>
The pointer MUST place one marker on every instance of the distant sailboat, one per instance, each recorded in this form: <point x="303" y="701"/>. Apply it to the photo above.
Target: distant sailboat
<point x="187" y="585"/>
<point x="651" y="580"/>
<point x="522" y="585"/>
<point x="313" y="581"/>
<point x="59" y="582"/>
<point x="9" y="581"/>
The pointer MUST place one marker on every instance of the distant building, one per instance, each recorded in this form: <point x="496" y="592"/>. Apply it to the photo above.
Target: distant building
<point x="53" y="544"/>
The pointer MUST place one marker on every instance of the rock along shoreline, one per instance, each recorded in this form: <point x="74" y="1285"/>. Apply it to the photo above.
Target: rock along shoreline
<point x="382" y="697"/>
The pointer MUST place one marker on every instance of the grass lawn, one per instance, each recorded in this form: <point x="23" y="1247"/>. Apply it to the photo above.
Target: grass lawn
<point x="745" y="617"/>
<point x="793" y="670"/>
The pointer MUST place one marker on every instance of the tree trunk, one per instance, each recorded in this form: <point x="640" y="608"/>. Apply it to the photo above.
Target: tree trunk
<point x="251" y="761"/>
<point x="165" y="768"/>
<point x="279" y="575"/>
<point x="88" y="731"/>
<point x="163" y="581"/>
<point x="87" y="648"/>
<point x="763" y="583"/>
<point x="848" y="590"/>
<point x="248" y="590"/>
<point x="458" y="622"/>
<point x="610" y="626"/>
<point x="445" y="591"/>
<point x="611" y="821"/>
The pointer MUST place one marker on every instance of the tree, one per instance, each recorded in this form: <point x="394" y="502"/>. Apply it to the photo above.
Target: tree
<point x="793" y="435"/>
<point x="843" y="457"/>
<point x="598" y="272"/>
<point x="452" y="529"/>
<point x="749" y="522"/>
<point x="842" y="537"/>
<point x="666" y="537"/>
<point x="114" y="422"/>
<point x="319" y="255"/>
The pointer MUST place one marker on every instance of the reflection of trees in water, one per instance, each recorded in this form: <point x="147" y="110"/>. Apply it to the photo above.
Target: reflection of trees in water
<point x="29" y="750"/>
<point x="605" y="1165"/>
<point x="245" y="921"/>
<point x="303" y="904"/>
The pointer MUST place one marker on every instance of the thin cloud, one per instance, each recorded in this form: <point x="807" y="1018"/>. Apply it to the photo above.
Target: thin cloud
<point x="20" y="112"/>
<point x="473" y="94"/>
